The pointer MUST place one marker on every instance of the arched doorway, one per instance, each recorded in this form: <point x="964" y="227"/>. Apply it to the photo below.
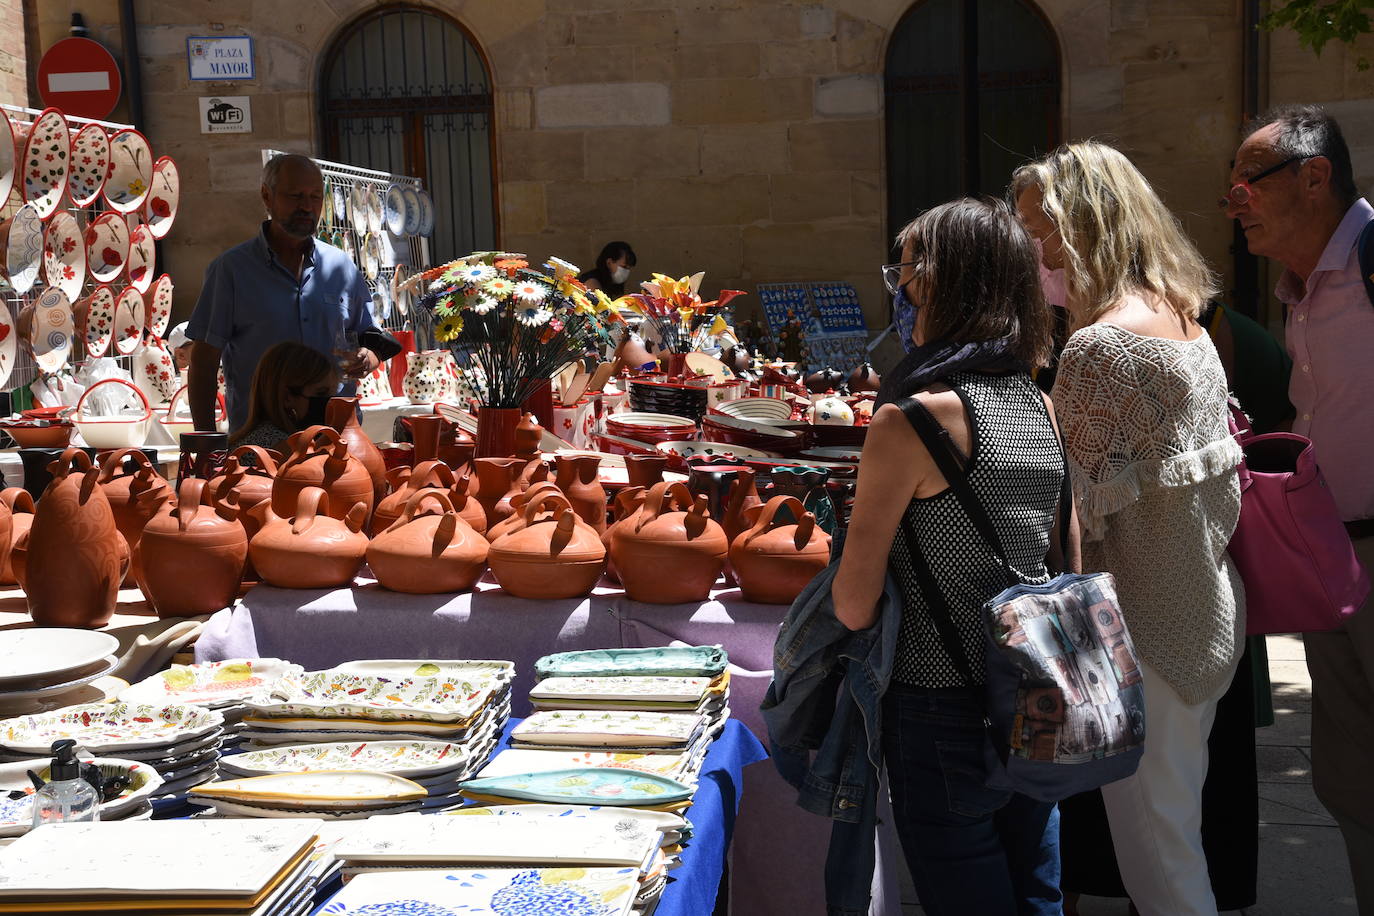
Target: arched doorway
<point x="972" y="91"/>
<point x="406" y="90"/>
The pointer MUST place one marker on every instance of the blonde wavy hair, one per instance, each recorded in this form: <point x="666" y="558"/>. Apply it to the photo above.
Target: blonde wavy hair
<point x="1118" y="237"/>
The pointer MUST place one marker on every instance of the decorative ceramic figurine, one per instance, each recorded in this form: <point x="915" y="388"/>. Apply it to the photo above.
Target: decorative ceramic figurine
<point x="190" y="559"/>
<point x="773" y="562"/>
<point x="428" y="554"/>
<point x="320" y="458"/>
<point x="310" y="550"/>
<point x="669" y="551"/>
<point x="136" y="496"/>
<point x="342" y="414"/>
<point x="578" y="479"/>
<point x="19" y="508"/>
<point x="555" y="555"/>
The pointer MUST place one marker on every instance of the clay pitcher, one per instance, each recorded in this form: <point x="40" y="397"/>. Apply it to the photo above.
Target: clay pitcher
<point x="320" y="458"/>
<point x="516" y="520"/>
<point x="342" y="414"/>
<point x="76" y="556"/>
<point x="424" y="435"/>
<point x="645" y="470"/>
<point x="625" y="504"/>
<point x="18" y="505"/>
<point x="428" y="554"/>
<point x="190" y="559"/>
<point x="773" y="561"/>
<point x="468" y="508"/>
<point x="135" y="496"/>
<point x="577" y="477"/>
<point x="495" y="477"/>
<point x="669" y="551"/>
<point x="406" y="482"/>
<point x="311" y="549"/>
<point x="555" y="555"/>
<point x="249" y="470"/>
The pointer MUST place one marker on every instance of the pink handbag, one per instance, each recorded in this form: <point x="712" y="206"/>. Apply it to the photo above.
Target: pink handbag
<point x="1300" y="570"/>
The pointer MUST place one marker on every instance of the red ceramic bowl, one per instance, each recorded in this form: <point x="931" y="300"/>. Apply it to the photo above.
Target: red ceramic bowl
<point x="55" y="435"/>
<point x="830" y="436"/>
<point x="762" y="436"/>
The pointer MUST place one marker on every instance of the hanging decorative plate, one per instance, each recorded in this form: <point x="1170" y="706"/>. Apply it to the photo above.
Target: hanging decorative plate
<point x="349" y="248"/>
<point x="128" y="327"/>
<point x="47" y="156"/>
<point x="584" y="786"/>
<point x="64" y="255"/>
<point x="24" y="248"/>
<point x="90" y="164"/>
<point x="161" y="208"/>
<point x="340" y="209"/>
<point x="142" y="257"/>
<point x="131" y="171"/>
<point x="133" y="220"/>
<point x="357" y="208"/>
<point x="411" y="199"/>
<point x="376" y="206"/>
<point x="372" y="255"/>
<point x="327" y="211"/>
<point x="395" y="210"/>
<point x="95" y="320"/>
<point x="155" y="371"/>
<point x="158" y="302"/>
<point x="52" y="329"/>
<point x="107" y="247"/>
<point x="9" y="342"/>
<point x="7" y="155"/>
<point x="426" y="226"/>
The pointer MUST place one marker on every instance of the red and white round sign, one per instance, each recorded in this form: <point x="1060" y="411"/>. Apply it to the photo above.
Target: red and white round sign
<point x="80" y="77"/>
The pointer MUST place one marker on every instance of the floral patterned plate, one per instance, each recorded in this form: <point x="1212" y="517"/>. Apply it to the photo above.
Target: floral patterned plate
<point x="410" y="759"/>
<point x="317" y="789"/>
<point x="90" y="164"/>
<point x="95" y="320"/>
<point x="51" y="328"/>
<point x="107" y="247"/>
<point x="426" y="699"/>
<point x="372" y="255"/>
<point x="47" y="156"/>
<point x="582" y="786"/>
<point x="16" y="814"/>
<point x="160" y="210"/>
<point x="24" y="248"/>
<point x="426" y="213"/>
<point x="229" y="808"/>
<point x="376" y="210"/>
<point x="142" y="259"/>
<point x="641" y="687"/>
<point x="108" y="727"/>
<point x="494" y="891"/>
<point x="410" y="200"/>
<point x="394" y="210"/>
<point x="495" y="669"/>
<point x="131" y="171"/>
<point x="607" y="728"/>
<point x="211" y="684"/>
<point x="672" y="661"/>
<point x="357" y="208"/>
<point x="158" y="302"/>
<point x="154" y="370"/>
<point x="64" y="255"/>
<point x="128" y="327"/>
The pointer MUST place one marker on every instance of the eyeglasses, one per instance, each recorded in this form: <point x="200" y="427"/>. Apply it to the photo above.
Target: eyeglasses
<point x="1239" y="195"/>
<point x="892" y="274"/>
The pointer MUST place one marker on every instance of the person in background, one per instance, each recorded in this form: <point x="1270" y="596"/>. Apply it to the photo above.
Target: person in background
<point x="1142" y="398"/>
<point x="1293" y="191"/>
<point x="612" y="269"/>
<point x="181" y="346"/>
<point x="291" y="387"/>
<point x="283" y="284"/>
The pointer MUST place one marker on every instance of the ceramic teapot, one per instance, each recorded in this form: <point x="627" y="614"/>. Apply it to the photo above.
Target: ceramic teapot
<point x="190" y="558"/>
<point x="311" y="549"/>
<point x="554" y="555"/>
<point x="577" y="476"/>
<point x="773" y="561"/>
<point x="342" y="415"/>
<point x="863" y="378"/>
<point x="669" y="551"/>
<point x="516" y="520"/>
<point x="428" y="554"/>
<point x="76" y="557"/>
<point x="18" y="509"/>
<point x="249" y="471"/>
<point x="320" y="458"/>
<point x="429" y="475"/>
<point x="137" y="492"/>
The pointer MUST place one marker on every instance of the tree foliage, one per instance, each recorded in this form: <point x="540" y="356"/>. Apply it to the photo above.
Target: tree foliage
<point x="1319" y="21"/>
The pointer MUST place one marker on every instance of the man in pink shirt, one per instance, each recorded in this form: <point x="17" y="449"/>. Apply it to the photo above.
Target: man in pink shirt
<point x="1294" y="193"/>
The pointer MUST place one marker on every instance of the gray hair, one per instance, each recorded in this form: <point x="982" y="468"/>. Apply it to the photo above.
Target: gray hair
<point x="1309" y="130"/>
<point x="271" y="172"/>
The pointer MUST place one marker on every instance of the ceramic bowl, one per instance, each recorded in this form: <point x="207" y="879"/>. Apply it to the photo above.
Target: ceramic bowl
<point x="755" y="408"/>
<point x="621" y="445"/>
<point x="46" y="159"/>
<point x="142" y="259"/>
<point x="426" y="227"/>
<point x="158" y="306"/>
<point x="752" y="434"/>
<point x="411" y="198"/>
<point x="107" y="247"/>
<point x="8" y="151"/>
<point x="394" y="210"/>
<point x="126" y="429"/>
<point x="95" y="316"/>
<point x="24" y="248"/>
<point x="51" y="329"/>
<point x="64" y="255"/>
<point x="131" y="171"/>
<point x="38" y="433"/>
<point x="128" y="321"/>
<point x="90" y="164"/>
<point x="682" y="452"/>
<point x="160" y="210"/>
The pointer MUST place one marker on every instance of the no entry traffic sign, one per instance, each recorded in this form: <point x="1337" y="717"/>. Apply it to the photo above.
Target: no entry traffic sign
<point x="80" y="77"/>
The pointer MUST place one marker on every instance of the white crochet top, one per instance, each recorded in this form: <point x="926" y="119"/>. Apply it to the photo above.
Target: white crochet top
<point x="1154" y="473"/>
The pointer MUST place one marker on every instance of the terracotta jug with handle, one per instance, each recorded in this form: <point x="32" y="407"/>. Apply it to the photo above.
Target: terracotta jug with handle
<point x="250" y="470"/>
<point x="516" y="520"/>
<point x="555" y="555"/>
<point x="310" y="549"/>
<point x="774" y="561"/>
<point x="342" y="415"/>
<point x="670" y="551"/>
<point x="18" y="509"/>
<point x="578" y="477"/>
<point x="625" y="504"/>
<point x="428" y="554"/>
<point x="495" y="479"/>
<point x="320" y="458"/>
<point x="406" y="482"/>
<point x="190" y="558"/>
<point x="137" y="492"/>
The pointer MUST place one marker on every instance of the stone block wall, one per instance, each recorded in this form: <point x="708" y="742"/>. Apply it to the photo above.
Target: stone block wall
<point x="14" y="74"/>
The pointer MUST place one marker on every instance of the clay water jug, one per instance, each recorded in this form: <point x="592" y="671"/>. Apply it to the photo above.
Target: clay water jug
<point x="774" y="561"/>
<point x="430" y="553"/>
<point x="311" y="549"/>
<point x="625" y="504"/>
<point x="528" y="435"/>
<point x="320" y="458"/>
<point x="577" y="476"/>
<point x="456" y="448"/>
<point x="468" y="508"/>
<point x="76" y="556"/>
<point x="249" y="470"/>
<point x="137" y="492"/>
<point x="342" y="415"/>
<point x="554" y="555"/>
<point x="190" y="558"/>
<point x="495" y="478"/>
<point x="669" y="551"/>
<point x="645" y="470"/>
<point x="19" y="511"/>
<point x="516" y="520"/>
<point x="424" y="436"/>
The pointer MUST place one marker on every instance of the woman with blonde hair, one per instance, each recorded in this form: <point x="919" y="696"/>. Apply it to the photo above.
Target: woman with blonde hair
<point x="1141" y="397"/>
<point x="291" y="386"/>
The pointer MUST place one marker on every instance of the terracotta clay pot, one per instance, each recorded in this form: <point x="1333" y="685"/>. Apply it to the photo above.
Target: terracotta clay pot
<point x="555" y="555"/>
<point x="864" y="378"/>
<point x="577" y="477"/>
<point x="191" y="558"/>
<point x="76" y="557"/>
<point x="528" y="435"/>
<point x="311" y="549"/>
<point x="342" y="414"/>
<point x="320" y="458"/>
<point x="625" y="504"/>
<point x="424" y="435"/>
<point x="669" y="551"/>
<point x="773" y="562"/>
<point x="645" y="470"/>
<point x="495" y="478"/>
<point x="433" y="476"/>
<point x="19" y="511"/>
<point x="249" y="470"/>
<point x="516" y="520"/>
<point x="136" y="496"/>
<point x="428" y="554"/>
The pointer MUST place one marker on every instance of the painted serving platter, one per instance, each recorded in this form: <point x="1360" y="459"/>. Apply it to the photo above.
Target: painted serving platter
<point x="339" y="694"/>
<point x="26" y="655"/>
<point x="662" y="821"/>
<point x="247" y="809"/>
<point x="158" y="306"/>
<point x="24" y="248"/>
<point x="607" y="728"/>
<point x="410" y="199"/>
<point x="582" y="786"/>
<point x="131" y="171"/>
<point x="64" y="255"/>
<point x="397" y="668"/>
<point x="426" y="226"/>
<point x="496" y="840"/>
<point x="409" y="759"/>
<point x="182" y="752"/>
<point x="142" y="259"/>
<point x="319" y="789"/>
<point x="129" y="322"/>
<point x="16" y="814"/>
<point x="90" y="164"/>
<point x="499" y="892"/>
<point x="160" y="210"/>
<point x="208" y="773"/>
<point x="95" y="320"/>
<point x="671" y="661"/>
<point x="155" y="370"/>
<point x="107" y="247"/>
<point x="517" y="761"/>
<point x="108" y="727"/>
<point x="643" y="687"/>
<point x="212" y="683"/>
<point x="51" y="329"/>
<point x="46" y="160"/>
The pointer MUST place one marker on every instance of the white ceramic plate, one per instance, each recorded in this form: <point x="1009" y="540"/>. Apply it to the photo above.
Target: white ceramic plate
<point x="16" y="815"/>
<point x="411" y="199"/>
<point x="608" y="891"/>
<point x="24" y="248"/>
<point x="705" y="449"/>
<point x="158" y="306"/>
<point x="160" y="210"/>
<point x="514" y="761"/>
<point x="155" y="371"/>
<point x="131" y="171"/>
<point x="64" y="255"/>
<point x="211" y="684"/>
<point x="108" y="727"/>
<point x="357" y="208"/>
<point x="142" y="259"/>
<point x="597" y="728"/>
<point x="244" y="809"/>
<point x="47" y="156"/>
<point x="90" y="164"/>
<point x="640" y="687"/>
<point x="529" y="841"/>
<point x="32" y="653"/>
<point x="317" y="789"/>
<point x="756" y="408"/>
<point x="51" y="330"/>
<point x="376" y="209"/>
<point x="107" y="247"/>
<point x="496" y="669"/>
<point x="372" y="255"/>
<point x="426" y="226"/>
<point x="128" y="326"/>
<point x="8" y="152"/>
<point x="409" y="759"/>
<point x="107" y="664"/>
<point x="394" y="210"/>
<point x="95" y="320"/>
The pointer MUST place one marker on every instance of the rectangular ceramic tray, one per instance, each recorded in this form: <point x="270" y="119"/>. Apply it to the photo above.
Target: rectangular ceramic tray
<point x="671" y="661"/>
<point x="648" y="688"/>
<point x="341" y="695"/>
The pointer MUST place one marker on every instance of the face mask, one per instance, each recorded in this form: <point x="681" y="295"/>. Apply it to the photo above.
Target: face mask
<point x="904" y="315"/>
<point x="1051" y="281"/>
<point x="314" y="414"/>
<point x="620" y="275"/>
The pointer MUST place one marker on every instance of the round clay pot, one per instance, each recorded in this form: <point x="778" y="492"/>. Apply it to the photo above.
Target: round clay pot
<point x="516" y="520"/>
<point x="249" y="470"/>
<point x="428" y="554"/>
<point x="310" y="550"/>
<point x="137" y="492"/>
<point x="495" y="479"/>
<point x="822" y="380"/>
<point x="577" y="477"/>
<point x="645" y="470"/>
<point x="190" y="558"/>
<point x="76" y="557"/>
<point x="342" y="414"/>
<point x="773" y="562"/>
<point x="863" y="378"/>
<point x="19" y="511"/>
<point x="555" y="555"/>
<point x="669" y="551"/>
<point x="320" y="458"/>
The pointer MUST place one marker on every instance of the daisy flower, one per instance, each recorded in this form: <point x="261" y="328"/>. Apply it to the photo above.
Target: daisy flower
<point x="449" y="328"/>
<point x="531" y="292"/>
<point x="475" y="274"/>
<point x="562" y="269"/>
<point x="483" y="304"/>
<point x="498" y="287"/>
<point x="511" y="265"/>
<point x="532" y="315"/>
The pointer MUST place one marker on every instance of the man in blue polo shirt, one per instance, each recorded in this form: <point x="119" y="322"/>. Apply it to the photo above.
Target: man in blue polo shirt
<point x="283" y="284"/>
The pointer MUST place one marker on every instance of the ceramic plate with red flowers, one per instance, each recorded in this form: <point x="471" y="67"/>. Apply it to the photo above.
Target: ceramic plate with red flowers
<point x="159" y="306"/>
<point x="50" y="335"/>
<point x="161" y="208"/>
<point x="107" y="247"/>
<point x="95" y="316"/>
<point x="47" y="154"/>
<point x="142" y="259"/>
<point x="128" y="328"/>
<point x="90" y="164"/>
<point x="9" y="342"/>
<point x="7" y="155"/>
<point x="131" y="171"/>
<point x="64" y="255"/>
<point x="155" y="371"/>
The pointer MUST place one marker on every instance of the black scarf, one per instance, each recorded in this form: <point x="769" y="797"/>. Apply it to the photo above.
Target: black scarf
<point x="931" y="362"/>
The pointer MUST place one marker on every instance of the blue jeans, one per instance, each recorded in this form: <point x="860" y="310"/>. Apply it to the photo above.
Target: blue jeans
<point x="970" y="849"/>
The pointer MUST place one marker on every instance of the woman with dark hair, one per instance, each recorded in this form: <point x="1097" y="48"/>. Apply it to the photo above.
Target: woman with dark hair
<point x="969" y="274"/>
<point x="291" y="386"/>
<point x="612" y="269"/>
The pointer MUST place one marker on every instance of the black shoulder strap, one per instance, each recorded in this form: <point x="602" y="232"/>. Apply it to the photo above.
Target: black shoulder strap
<point x="1366" y="255"/>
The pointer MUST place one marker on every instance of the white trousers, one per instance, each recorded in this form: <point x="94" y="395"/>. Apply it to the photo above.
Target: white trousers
<point x="1156" y="814"/>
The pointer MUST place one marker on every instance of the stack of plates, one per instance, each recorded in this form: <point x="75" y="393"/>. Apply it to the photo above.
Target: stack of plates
<point x="132" y="803"/>
<point x="603" y="891"/>
<point x="586" y="729"/>
<point x="50" y="667"/>
<point x="663" y="661"/>
<point x="225" y="686"/>
<point x="337" y="794"/>
<point x="650" y="427"/>
<point x="676" y="398"/>
<point x="704" y="695"/>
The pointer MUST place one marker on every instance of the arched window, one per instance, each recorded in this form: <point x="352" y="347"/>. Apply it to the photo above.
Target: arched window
<point x="405" y="90"/>
<point x="972" y="91"/>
